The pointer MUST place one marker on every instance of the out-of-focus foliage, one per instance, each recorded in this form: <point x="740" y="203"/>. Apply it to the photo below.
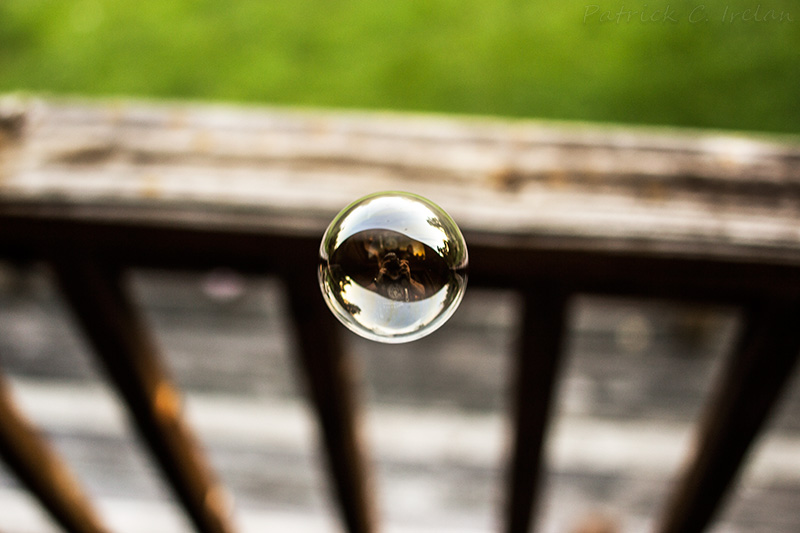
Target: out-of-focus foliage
<point x="648" y="61"/>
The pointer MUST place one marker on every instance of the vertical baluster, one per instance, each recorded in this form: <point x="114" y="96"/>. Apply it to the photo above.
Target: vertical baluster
<point x="329" y="376"/>
<point x="128" y="353"/>
<point x="753" y="379"/>
<point x="42" y="471"/>
<point x="537" y="363"/>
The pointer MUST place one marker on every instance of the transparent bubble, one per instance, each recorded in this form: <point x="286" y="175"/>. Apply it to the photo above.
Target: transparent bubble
<point x="393" y="267"/>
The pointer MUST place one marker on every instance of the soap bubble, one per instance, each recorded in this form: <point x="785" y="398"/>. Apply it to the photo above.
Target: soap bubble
<point x="393" y="267"/>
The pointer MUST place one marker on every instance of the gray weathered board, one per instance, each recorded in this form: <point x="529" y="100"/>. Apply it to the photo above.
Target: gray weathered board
<point x="708" y="194"/>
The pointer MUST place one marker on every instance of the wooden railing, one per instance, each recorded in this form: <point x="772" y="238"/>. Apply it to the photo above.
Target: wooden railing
<point x="548" y="210"/>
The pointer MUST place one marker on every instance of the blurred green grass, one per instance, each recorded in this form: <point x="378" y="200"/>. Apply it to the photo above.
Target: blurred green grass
<point x="540" y="59"/>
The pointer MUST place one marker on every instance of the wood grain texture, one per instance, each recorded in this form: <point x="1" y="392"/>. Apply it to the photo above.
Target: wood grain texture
<point x="603" y="209"/>
<point x="705" y="194"/>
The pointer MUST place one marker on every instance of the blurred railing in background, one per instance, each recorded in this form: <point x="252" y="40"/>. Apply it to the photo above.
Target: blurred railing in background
<point x="548" y="211"/>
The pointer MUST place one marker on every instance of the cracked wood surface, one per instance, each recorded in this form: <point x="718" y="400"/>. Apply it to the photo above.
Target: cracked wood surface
<point x="575" y="198"/>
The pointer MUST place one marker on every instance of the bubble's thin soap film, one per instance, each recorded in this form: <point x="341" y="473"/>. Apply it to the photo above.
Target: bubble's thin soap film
<point x="393" y="267"/>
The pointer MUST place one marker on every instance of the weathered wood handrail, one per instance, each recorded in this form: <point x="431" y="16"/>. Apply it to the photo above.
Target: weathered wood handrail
<point x="547" y="209"/>
<point x="570" y="190"/>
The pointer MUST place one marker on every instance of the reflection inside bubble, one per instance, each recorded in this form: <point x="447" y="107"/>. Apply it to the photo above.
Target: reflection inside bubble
<point x="393" y="267"/>
<point x="391" y="264"/>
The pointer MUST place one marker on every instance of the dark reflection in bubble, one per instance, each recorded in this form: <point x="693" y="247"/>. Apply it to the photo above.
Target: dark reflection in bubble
<point x="391" y="264"/>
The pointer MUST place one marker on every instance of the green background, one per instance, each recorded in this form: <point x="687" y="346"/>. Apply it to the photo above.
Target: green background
<point x="537" y="59"/>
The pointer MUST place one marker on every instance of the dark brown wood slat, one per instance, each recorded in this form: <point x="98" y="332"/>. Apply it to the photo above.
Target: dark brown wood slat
<point x="129" y="355"/>
<point x="537" y="364"/>
<point x="43" y="471"/>
<point x="329" y="376"/>
<point x="754" y="378"/>
<point x="196" y="240"/>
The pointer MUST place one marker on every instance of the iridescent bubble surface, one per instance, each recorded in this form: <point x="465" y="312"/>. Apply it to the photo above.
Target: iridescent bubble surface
<point x="393" y="267"/>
